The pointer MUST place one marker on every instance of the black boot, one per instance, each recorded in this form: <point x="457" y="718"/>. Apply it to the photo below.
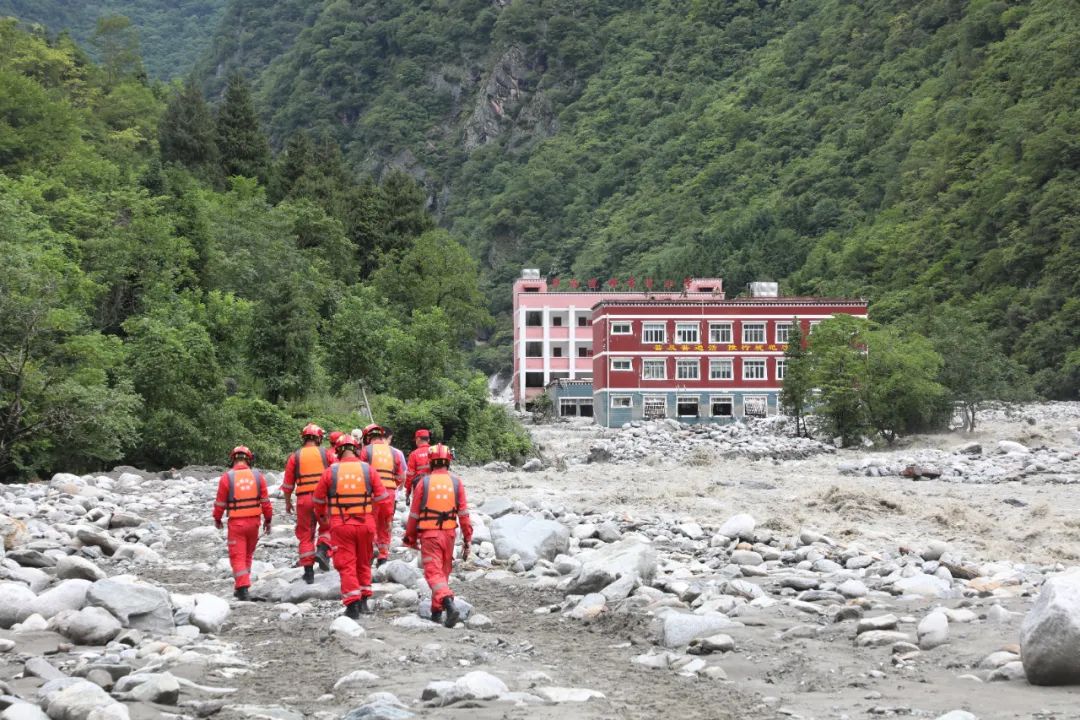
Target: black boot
<point x="436" y="616"/>
<point x="322" y="556"/>
<point x="450" y="611"/>
<point x="352" y="610"/>
<point x="365" y="607"/>
<point x="241" y="594"/>
<point x="309" y="574"/>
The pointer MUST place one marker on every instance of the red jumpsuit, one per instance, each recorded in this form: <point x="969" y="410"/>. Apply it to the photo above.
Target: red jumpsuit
<point x="437" y="546"/>
<point x="351" y="533"/>
<point x="243" y="524"/>
<point x="417" y="466"/>
<point x="306" y="517"/>
<point x="384" y="511"/>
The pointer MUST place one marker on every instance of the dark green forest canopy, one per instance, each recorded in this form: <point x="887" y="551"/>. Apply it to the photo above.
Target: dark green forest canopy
<point x="173" y="34"/>
<point x="913" y="153"/>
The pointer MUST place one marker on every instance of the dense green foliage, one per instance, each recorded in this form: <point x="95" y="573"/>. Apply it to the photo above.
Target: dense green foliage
<point x="160" y="308"/>
<point x="173" y="35"/>
<point x="918" y="154"/>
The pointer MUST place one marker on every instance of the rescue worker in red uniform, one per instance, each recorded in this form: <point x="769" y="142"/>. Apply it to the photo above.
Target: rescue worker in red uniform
<point x="417" y="465"/>
<point x="438" y="508"/>
<point x="302" y="472"/>
<point x="346" y="496"/>
<point x="390" y="466"/>
<point x="243" y="495"/>
<point x="334" y="438"/>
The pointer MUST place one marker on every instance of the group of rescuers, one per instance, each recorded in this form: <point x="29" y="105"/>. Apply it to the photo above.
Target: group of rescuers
<point x="345" y="497"/>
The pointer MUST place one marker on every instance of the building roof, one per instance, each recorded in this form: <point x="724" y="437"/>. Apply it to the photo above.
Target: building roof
<point x="735" y="302"/>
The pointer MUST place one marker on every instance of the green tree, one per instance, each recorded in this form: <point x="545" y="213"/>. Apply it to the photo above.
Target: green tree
<point x="186" y="132"/>
<point x="902" y="394"/>
<point x="239" y="138"/>
<point x="285" y="338"/>
<point x="117" y="44"/>
<point x="798" y="371"/>
<point x="840" y="373"/>
<point x="358" y="337"/>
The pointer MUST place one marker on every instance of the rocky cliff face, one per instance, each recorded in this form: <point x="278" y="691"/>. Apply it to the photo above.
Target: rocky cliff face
<point x="507" y="103"/>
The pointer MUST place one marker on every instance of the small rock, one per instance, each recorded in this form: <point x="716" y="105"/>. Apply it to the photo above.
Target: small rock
<point x="74" y="567"/>
<point x="356" y="679"/>
<point x="880" y="622"/>
<point x="563" y="694"/>
<point x="738" y="526"/>
<point x="933" y="630"/>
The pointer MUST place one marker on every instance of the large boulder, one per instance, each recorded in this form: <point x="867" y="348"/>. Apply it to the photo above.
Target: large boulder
<point x="13" y="532"/>
<point x="89" y="626"/>
<point x="529" y="538"/>
<point x="134" y="603"/>
<point x="16" y="603"/>
<point x="71" y="567"/>
<point x="1050" y="635"/>
<point x="210" y="613"/>
<point x="738" y="526"/>
<point x="607" y="563"/>
<point x="71" y="699"/>
<point x="327" y="586"/>
<point x="679" y="628"/>
<point x="66" y="595"/>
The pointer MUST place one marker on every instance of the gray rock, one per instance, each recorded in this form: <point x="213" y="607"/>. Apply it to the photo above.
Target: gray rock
<point x="72" y="567"/>
<point x="23" y="711"/>
<point x="355" y="680"/>
<point x="934" y="550"/>
<point x="161" y="688"/>
<point x="878" y="638"/>
<point x="584" y="531"/>
<point x="67" y="595"/>
<point x="609" y="532"/>
<point x="738" y="526"/>
<point x="496" y="507"/>
<point x="379" y="708"/>
<point x="89" y="626"/>
<point x="265" y="712"/>
<point x="933" y="630"/>
<point x="879" y="622"/>
<point x="589" y="607"/>
<point x="477" y="685"/>
<point x="78" y="700"/>
<point x="210" y="613"/>
<point x="957" y="714"/>
<point x="1050" y="635"/>
<point x="529" y="538"/>
<point x="16" y="603"/>
<point x="852" y="589"/>
<point x="678" y="628"/>
<point x="533" y="465"/>
<point x="922" y="584"/>
<point x="602" y="566"/>
<point x="42" y="668"/>
<point x="397" y="571"/>
<point x="621" y="588"/>
<point x="121" y="519"/>
<point x="135" y="604"/>
<point x="31" y="558"/>
<point x="565" y="695"/>
<point x="719" y="643"/>
<point x="746" y="557"/>
<point x="97" y="538"/>
<point x="327" y="586"/>
<point x="1009" y="446"/>
<point x="1007" y="672"/>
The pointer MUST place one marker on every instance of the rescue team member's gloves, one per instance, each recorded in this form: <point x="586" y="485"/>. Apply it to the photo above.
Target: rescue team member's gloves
<point x="218" y="524"/>
<point x="409" y="542"/>
<point x="266" y="526"/>
<point x="464" y="552"/>
<point x="288" y="504"/>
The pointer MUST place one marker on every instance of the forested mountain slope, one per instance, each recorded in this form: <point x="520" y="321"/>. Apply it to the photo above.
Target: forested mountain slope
<point x="173" y="34"/>
<point x="915" y="153"/>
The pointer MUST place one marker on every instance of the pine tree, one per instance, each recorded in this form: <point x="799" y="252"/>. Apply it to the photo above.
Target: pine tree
<point x="241" y="142"/>
<point x="186" y="131"/>
<point x="117" y="42"/>
<point x="797" y="378"/>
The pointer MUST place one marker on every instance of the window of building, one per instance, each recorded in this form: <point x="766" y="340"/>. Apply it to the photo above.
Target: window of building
<point x="621" y="401"/>
<point x="783" y="332"/>
<point x="688" y="369"/>
<point x="556" y="320"/>
<point x="753" y="369"/>
<point x="534" y="379"/>
<point x="654" y="407"/>
<point x="584" y="351"/>
<point x="687" y="407"/>
<point x="621" y="364"/>
<point x="532" y="289"/>
<point x="584" y="376"/>
<point x="687" y="333"/>
<point x="755" y="406"/>
<point x="534" y="318"/>
<point x="582" y="320"/>
<point x="654" y="369"/>
<point x="556" y="351"/>
<point x="813" y="324"/>
<point x="720" y="369"/>
<point x="621" y="328"/>
<point x="720" y="333"/>
<point x="781" y="368"/>
<point x="534" y="349"/>
<point x="575" y="407"/>
<point x="753" y="333"/>
<point x="654" y="333"/>
<point x="722" y="406"/>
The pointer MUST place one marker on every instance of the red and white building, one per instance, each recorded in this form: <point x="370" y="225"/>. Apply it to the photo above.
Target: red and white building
<point x="698" y="359"/>
<point x="554" y="336"/>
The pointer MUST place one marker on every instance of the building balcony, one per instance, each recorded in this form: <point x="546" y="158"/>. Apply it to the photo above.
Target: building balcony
<point x="534" y="332"/>
<point x="559" y="333"/>
<point x="559" y="363"/>
<point x="534" y="363"/>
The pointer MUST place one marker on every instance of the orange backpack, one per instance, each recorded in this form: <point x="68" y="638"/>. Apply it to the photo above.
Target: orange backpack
<point x="351" y="488"/>
<point x="439" y="501"/>
<point x="309" y="465"/>
<point x="381" y="457"/>
<point x="245" y="493"/>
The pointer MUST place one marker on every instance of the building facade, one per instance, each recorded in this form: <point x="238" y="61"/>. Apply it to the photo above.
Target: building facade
<point x="697" y="360"/>
<point x="553" y="330"/>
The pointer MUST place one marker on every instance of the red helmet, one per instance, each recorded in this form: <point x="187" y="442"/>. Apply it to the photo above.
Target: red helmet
<point x="373" y="430"/>
<point x="241" y="450"/>
<point x="440" y="453"/>
<point x="334" y="437"/>
<point x="311" y="430"/>
<point x="345" y="440"/>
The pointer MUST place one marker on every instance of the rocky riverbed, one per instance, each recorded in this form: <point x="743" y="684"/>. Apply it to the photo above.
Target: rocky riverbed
<point x="730" y="573"/>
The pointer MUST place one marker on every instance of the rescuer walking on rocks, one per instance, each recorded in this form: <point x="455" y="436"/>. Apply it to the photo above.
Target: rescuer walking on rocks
<point x="418" y="462"/>
<point x="390" y="465"/>
<point x="346" y="497"/>
<point x="302" y="472"/>
<point x="438" y="508"/>
<point x="243" y="495"/>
